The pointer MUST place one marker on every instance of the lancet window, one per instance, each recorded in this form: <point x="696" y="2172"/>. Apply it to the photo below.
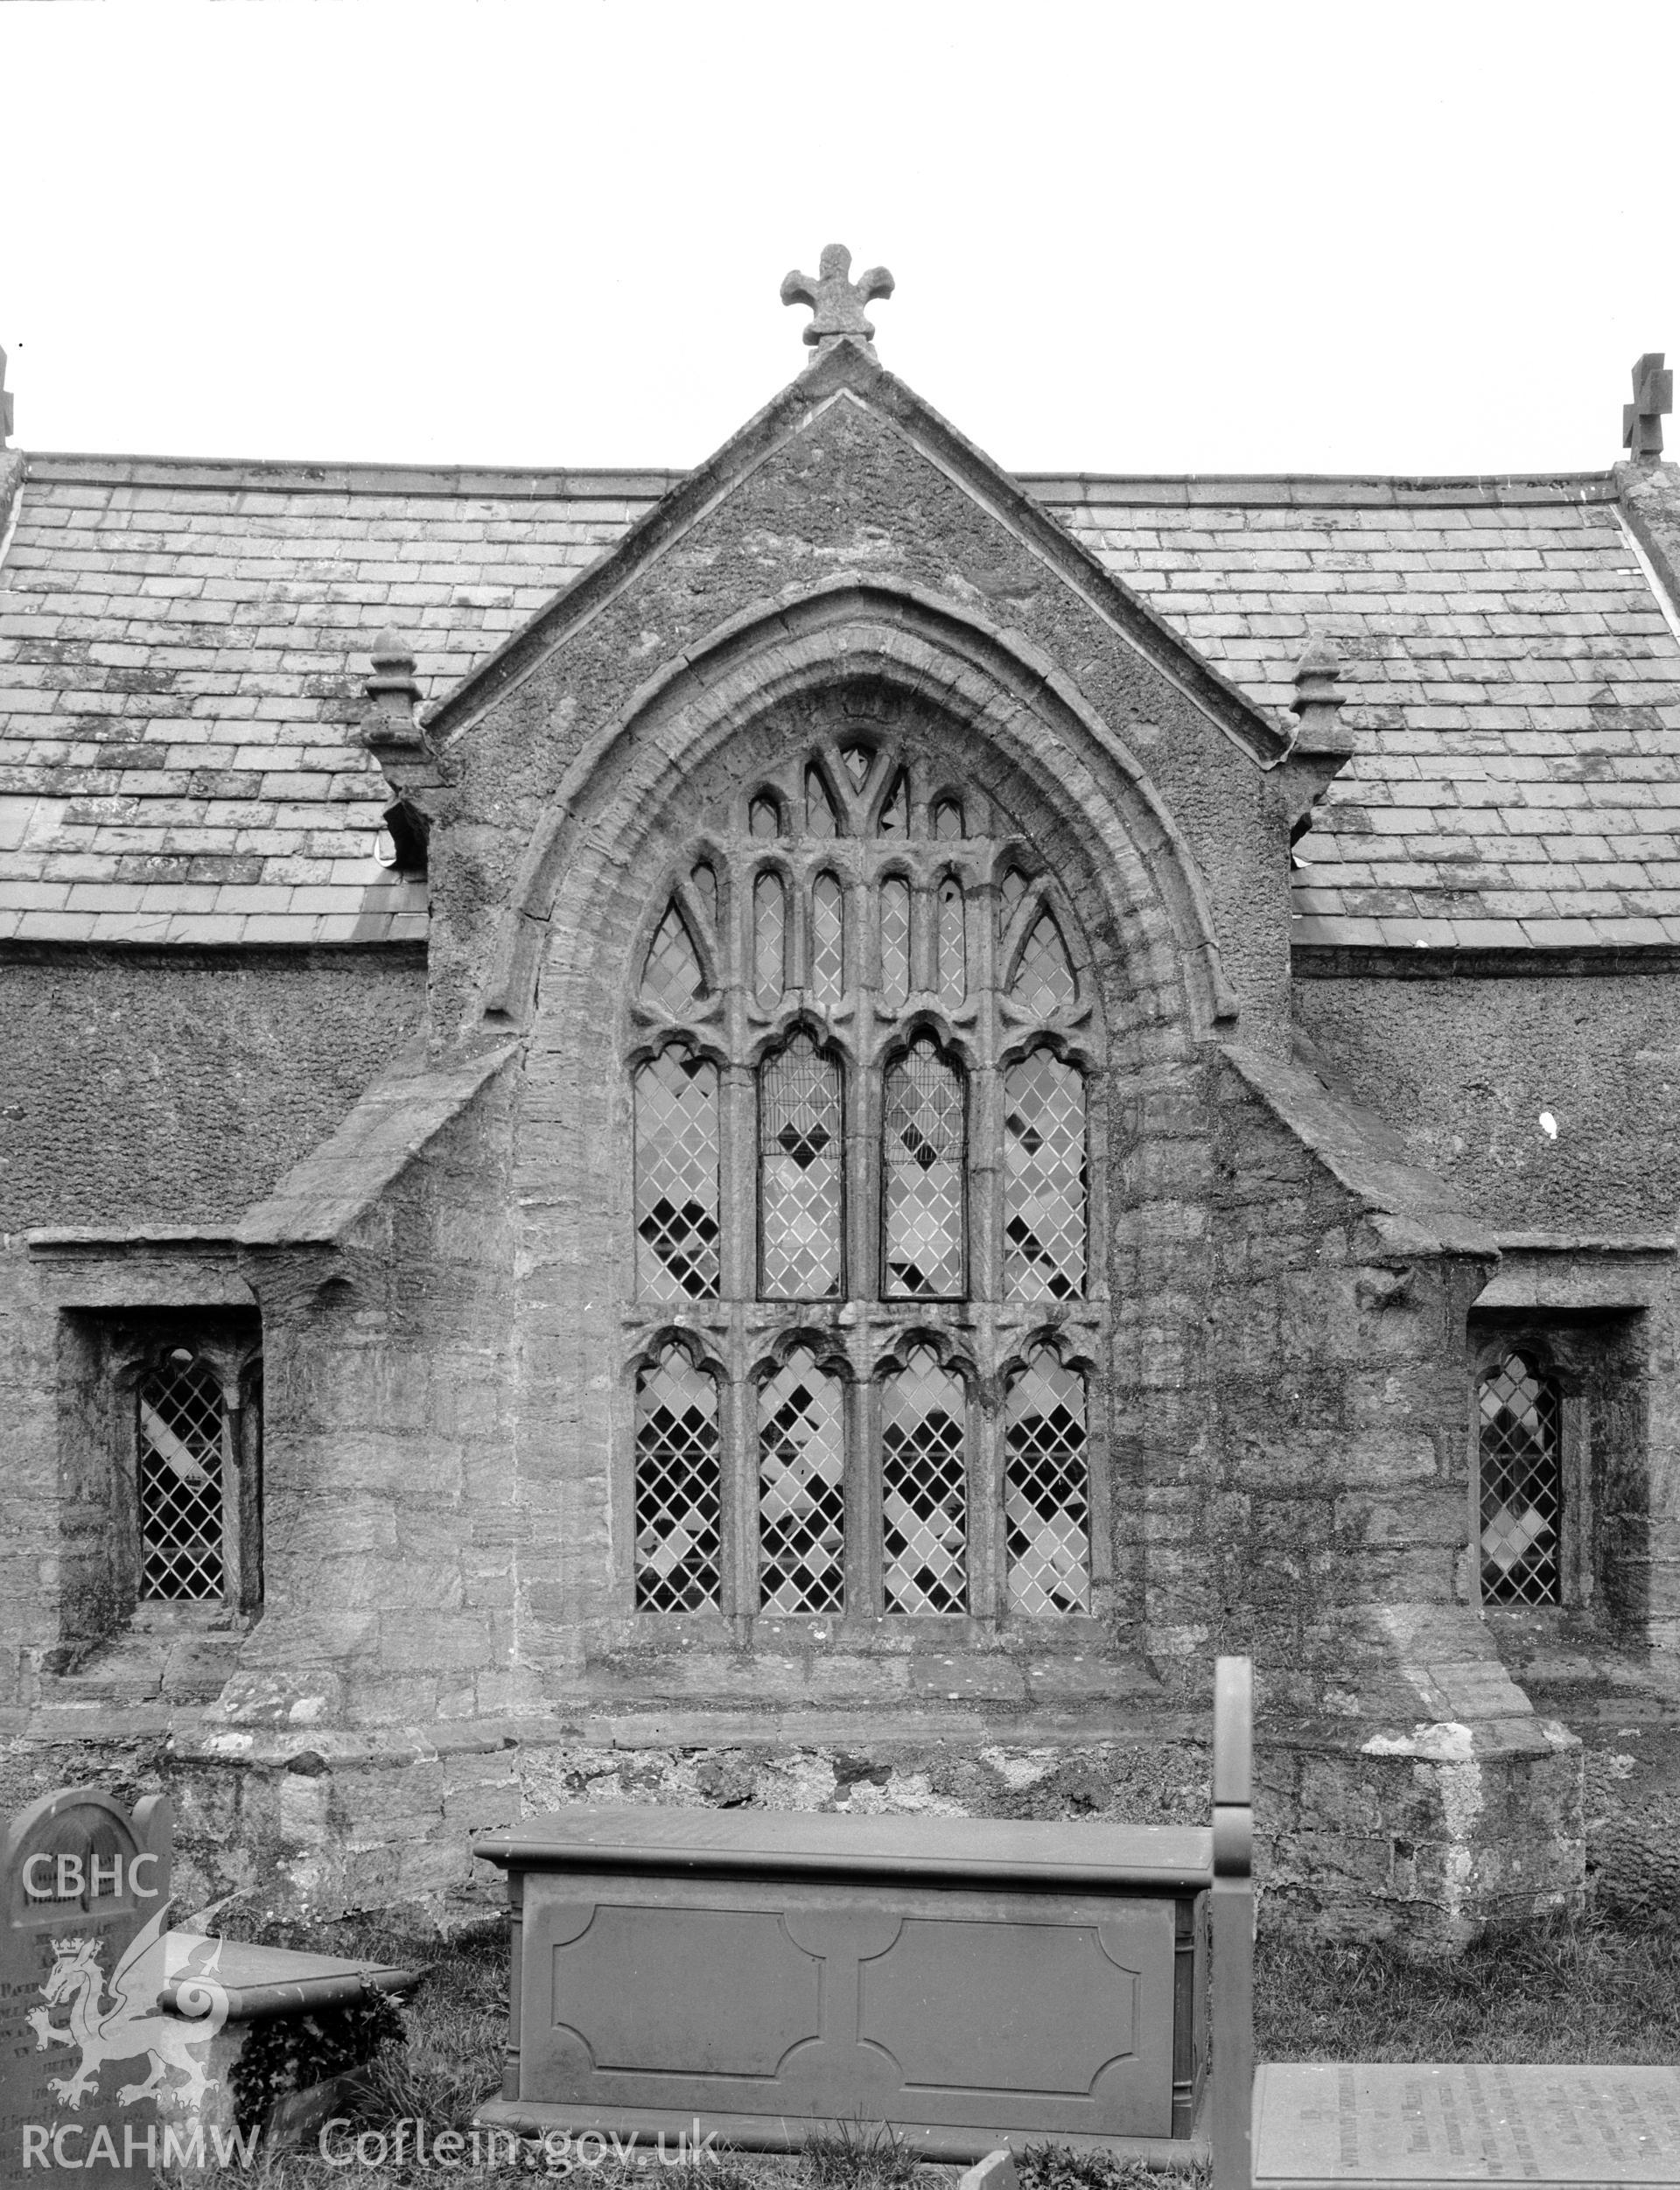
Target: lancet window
<point x="863" y="1049"/>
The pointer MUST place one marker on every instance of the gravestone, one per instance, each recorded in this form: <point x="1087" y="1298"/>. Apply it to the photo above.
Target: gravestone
<point x="1377" y="2124"/>
<point x="86" y="1887"/>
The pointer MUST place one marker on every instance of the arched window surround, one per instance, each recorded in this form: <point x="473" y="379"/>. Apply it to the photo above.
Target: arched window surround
<point x="1572" y="1563"/>
<point x="982" y="1036"/>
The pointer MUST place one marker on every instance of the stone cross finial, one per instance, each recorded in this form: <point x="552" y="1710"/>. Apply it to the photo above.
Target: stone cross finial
<point x="1642" y="420"/>
<point x="5" y="404"/>
<point x="836" y="303"/>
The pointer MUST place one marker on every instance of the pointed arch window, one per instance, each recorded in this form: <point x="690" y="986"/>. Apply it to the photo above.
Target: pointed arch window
<point x="1047" y="1490"/>
<point x="828" y="939"/>
<point x="800" y="1185"/>
<point x="801" y="1489"/>
<point x="678" y="1226"/>
<point x="679" y="1495"/>
<point x="866" y="1068"/>
<point x="925" y="1488"/>
<point x="924" y="1175"/>
<point x="1044" y="1179"/>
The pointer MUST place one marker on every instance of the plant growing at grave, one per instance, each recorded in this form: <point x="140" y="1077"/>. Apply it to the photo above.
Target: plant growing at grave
<point x="858" y="2156"/>
<point x="284" y="2054"/>
<point x="1051" y="2167"/>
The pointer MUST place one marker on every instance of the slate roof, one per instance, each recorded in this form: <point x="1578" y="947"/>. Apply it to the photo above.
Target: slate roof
<point x="183" y="646"/>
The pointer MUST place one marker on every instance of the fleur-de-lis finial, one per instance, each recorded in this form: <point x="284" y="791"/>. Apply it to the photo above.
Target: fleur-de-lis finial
<point x="836" y="303"/>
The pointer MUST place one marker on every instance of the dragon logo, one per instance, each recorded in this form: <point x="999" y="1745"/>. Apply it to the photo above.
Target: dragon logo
<point x="127" y="2020"/>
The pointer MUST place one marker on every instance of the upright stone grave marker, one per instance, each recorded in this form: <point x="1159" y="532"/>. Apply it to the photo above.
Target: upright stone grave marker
<point x="84" y="1892"/>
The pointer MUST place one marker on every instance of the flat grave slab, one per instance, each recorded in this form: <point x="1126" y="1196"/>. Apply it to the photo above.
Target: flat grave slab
<point x="1394" y="2123"/>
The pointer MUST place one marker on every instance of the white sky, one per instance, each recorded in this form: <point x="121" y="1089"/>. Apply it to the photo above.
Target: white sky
<point x="1381" y="235"/>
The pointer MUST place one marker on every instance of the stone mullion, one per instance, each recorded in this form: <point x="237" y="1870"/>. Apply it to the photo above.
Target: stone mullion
<point x="863" y="1599"/>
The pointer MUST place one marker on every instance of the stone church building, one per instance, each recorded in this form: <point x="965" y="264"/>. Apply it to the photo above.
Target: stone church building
<point x="794" y="1132"/>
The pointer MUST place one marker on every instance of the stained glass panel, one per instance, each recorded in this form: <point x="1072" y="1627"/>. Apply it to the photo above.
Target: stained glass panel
<point x="1522" y="1485"/>
<point x="923" y="1136"/>
<point x="677" y="1178"/>
<point x="828" y="939"/>
<point x="895" y="814"/>
<point x="948" y="821"/>
<point x="671" y="975"/>
<point x="181" y="1422"/>
<point x="1044" y="1179"/>
<point x="769" y="937"/>
<point x="1044" y="980"/>
<point x="1047" y="1490"/>
<point x="953" y="945"/>
<point x="895" y="943"/>
<point x="821" y="819"/>
<point x="800" y="1156"/>
<point x="924" y="1488"/>
<point x="802" y="1490"/>
<point x="678" y="1488"/>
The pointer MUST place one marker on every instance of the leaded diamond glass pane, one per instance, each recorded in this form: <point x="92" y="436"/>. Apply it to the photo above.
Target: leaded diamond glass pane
<point x="799" y="1157"/>
<point x="895" y="814"/>
<point x="769" y="936"/>
<point x="677" y="1178"/>
<point x="1522" y="1485"/>
<point x="1044" y="980"/>
<point x="672" y="976"/>
<point x="948" y="821"/>
<point x="1047" y="1490"/>
<point x="1044" y="1179"/>
<point x="857" y="759"/>
<point x="924" y="1489"/>
<point x="802" y="1490"/>
<point x="677" y="1486"/>
<point x="181" y="1421"/>
<point x="923" y="1134"/>
<point x="828" y="940"/>
<point x="895" y="943"/>
<point x="821" y="819"/>
<point x="764" y="818"/>
<point x="953" y="947"/>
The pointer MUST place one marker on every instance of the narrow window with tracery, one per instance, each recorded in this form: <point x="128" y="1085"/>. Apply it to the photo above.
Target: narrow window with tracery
<point x="671" y="976"/>
<point x="895" y="943"/>
<point x="677" y="1177"/>
<point x="769" y="937"/>
<point x="1047" y="1490"/>
<point x="953" y="945"/>
<point x="924" y="1173"/>
<point x="828" y="939"/>
<point x="947" y="821"/>
<point x="1520" y="1419"/>
<point x="1044" y="1179"/>
<point x="678" y="1487"/>
<point x="895" y="811"/>
<point x="801" y="1147"/>
<point x="1044" y="979"/>
<point x="801" y="1489"/>
<point x="184" y="1456"/>
<point x="764" y="818"/>
<point x="924" y="1488"/>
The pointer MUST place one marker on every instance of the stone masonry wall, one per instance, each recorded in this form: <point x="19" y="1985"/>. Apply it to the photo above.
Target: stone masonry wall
<point x="139" y="1088"/>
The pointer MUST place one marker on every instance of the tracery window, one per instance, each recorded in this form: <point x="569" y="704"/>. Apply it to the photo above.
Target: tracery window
<point x="862" y="1047"/>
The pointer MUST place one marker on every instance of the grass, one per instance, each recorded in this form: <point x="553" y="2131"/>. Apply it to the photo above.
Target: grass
<point x="1593" y="1990"/>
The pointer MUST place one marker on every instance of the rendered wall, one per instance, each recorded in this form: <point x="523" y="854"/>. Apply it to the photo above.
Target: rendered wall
<point x="174" y="1088"/>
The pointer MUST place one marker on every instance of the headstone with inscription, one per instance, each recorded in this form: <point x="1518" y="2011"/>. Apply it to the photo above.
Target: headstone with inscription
<point x="84" y="1894"/>
<point x="1386" y="2123"/>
